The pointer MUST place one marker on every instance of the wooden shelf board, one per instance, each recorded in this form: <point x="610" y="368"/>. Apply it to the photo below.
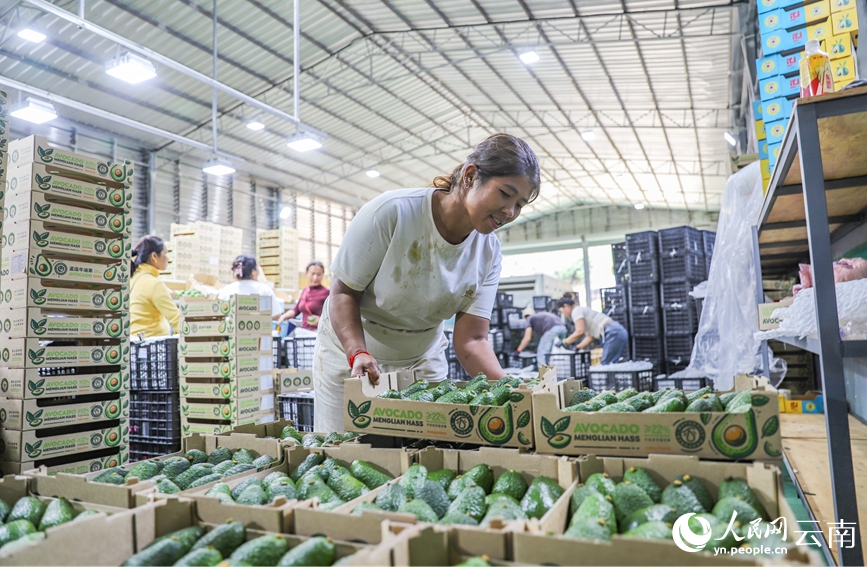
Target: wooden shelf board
<point x="812" y="426"/>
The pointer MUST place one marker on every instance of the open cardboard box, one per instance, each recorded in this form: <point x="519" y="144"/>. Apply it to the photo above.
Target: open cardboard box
<point x="544" y="545"/>
<point x="754" y="435"/>
<point x="505" y="426"/>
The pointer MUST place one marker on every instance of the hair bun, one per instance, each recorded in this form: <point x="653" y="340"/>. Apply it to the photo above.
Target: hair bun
<point x="134" y="252"/>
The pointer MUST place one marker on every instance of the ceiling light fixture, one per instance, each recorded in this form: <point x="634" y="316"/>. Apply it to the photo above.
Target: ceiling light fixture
<point x="639" y="206"/>
<point x="529" y="57"/>
<point x="730" y="139"/>
<point x="304" y="142"/>
<point x="372" y="173"/>
<point x="588" y="135"/>
<point x="131" y="68"/>
<point x="218" y="166"/>
<point x="31" y="35"/>
<point x="34" y="110"/>
<point x="285" y="213"/>
<point x="255" y="125"/>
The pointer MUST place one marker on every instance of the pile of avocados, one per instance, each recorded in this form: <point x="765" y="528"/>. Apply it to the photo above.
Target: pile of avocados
<point x="198" y="546"/>
<point x="476" y="392"/>
<point x="639" y="507"/>
<point x="664" y="401"/>
<point x="28" y="519"/>
<point x="473" y="498"/>
<point x="314" y="440"/>
<point x="194" y="469"/>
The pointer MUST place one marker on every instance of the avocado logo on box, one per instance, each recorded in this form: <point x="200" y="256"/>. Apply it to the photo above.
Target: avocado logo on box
<point x="357" y="414"/>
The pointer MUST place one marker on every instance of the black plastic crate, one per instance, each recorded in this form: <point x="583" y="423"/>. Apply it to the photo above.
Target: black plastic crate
<point x="674" y="294"/>
<point x="497" y="339"/>
<point x="678" y="346"/>
<point x="457" y="372"/>
<point x="647" y="348"/>
<point x="156" y="366"/>
<point x="673" y="366"/>
<point x="680" y="321"/>
<point x="298" y="352"/>
<point x="683" y="266"/>
<point x="707" y="261"/>
<point x="140" y="450"/>
<point x="504" y="300"/>
<point x="620" y="315"/>
<point x="643" y="269"/>
<point x="681" y="239"/>
<point x="513" y="319"/>
<point x="495" y="317"/>
<point x="450" y="347"/>
<point x="619" y="380"/>
<point x="570" y="365"/>
<point x="699" y="305"/>
<point x="518" y="361"/>
<point x="686" y="384"/>
<point x="642" y="242"/>
<point x="154" y="405"/>
<point x="298" y="407"/>
<point x="613" y="297"/>
<point x="643" y="295"/>
<point x="645" y="323"/>
<point x="708" y="242"/>
<point x="621" y="266"/>
<point x="541" y="303"/>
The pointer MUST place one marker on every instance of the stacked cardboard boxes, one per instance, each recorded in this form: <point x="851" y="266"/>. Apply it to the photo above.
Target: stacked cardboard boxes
<point x="64" y="361"/>
<point x="225" y="363"/>
<point x="203" y="248"/>
<point x="277" y="253"/>
<point x="4" y="147"/>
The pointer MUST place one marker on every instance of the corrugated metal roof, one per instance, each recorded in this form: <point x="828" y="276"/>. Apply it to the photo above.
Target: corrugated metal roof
<point x="409" y="87"/>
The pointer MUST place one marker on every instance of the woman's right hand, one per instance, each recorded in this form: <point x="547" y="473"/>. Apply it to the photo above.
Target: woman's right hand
<point x="366" y="364"/>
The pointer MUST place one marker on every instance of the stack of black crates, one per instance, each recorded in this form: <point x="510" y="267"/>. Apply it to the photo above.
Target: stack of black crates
<point x="154" y="412"/>
<point x="645" y="317"/>
<point x="294" y="352"/>
<point x="504" y="334"/>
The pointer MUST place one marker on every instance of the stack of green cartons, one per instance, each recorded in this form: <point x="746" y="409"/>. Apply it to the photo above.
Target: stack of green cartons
<point x="225" y="363"/>
<point x="4" y="147"/>
<point x="64" y="310"/>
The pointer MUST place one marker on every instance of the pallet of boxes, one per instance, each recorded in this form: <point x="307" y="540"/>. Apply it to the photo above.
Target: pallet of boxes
<point x="64" y="344"/>
<point x="203" y="249"/>
<point x="277" y="254"/>
<point x="225" y="363"/>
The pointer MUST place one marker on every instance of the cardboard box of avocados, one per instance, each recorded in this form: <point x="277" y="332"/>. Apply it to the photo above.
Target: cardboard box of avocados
<point x="29" y="384"/>
<point x="37" y="150"/>
<point x="751" y="435"/>
<point x="73" y="464"/>
<point x="195" y="307"/>
<point x="27" y="235"/>
<point x="29" y="353"/>
<point x="541" y="546"/>
<point x="63" y="183"/>
<point x="405" y="544"/>
<point x="60" y="215"/>
<point x="227" y="388"/>
<point x="231" y="347"/>
<point x="214" y="425"/>
<point x="45" y="324"/>
<point x="236" y="409"/>
<point x="40" y="414"/>
<point x="33" y="263"/>
<point x="226" y="368"/>
<point x="242" y="324"/>
<point x="21" y="446"/>
<point x="510" y="425"/>
<point x="29" y="292"/>
<point x="293" y="380"/>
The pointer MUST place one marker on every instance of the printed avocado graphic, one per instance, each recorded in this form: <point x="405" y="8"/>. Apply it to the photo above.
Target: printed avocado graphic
<point x="114" y="328"/>
<point x="42" y="211"/>
<point x="43" y="266"/>
<point x="522" y="439"/>
<point x="36" y="356"/>
<point x="118" y="172"/>
<point x="115" y="249"/>
<point x="224" y="349"/>
<point x="116" y="223"/>
<point x="226" y="369"/>
<point x="41" y="239"/>
<point x="497" y="429"/>
<point x="110" y="273"/>
<point x="34" y="419"/>
<point x="226" y="391"/>
<point x="357" y="414"/>
<point x="116" y="197"/>
<point x="33" y="451"/>
<point x="554" y="432"/>
<point x="113" y="410"/>
<point x="113" y="384"/>
<point x="38" y="326"/>
<point x="113" y="438"/>
<point x="36" y="388"/>
<point x="770" y="450"/>
<point x="113" y="355"/>
<point x="734" y="440"/>
<point x="113" y="300"/>
<point x="38" y="296"/>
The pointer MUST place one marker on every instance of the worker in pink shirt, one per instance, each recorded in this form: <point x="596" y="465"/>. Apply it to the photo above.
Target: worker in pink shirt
<point x="312" y="298"/>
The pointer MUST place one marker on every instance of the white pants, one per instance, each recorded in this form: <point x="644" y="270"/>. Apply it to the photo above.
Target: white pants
<point x="393" y="350"/>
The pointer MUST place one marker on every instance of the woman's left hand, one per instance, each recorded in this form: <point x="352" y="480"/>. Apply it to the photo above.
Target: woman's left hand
<point x="313" y="320"/>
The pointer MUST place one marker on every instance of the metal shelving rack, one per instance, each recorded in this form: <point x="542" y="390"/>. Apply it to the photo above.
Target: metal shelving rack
<point x="817" y="195"/>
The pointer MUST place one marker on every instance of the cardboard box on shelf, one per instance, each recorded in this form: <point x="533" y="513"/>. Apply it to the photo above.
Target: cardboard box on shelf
<point x="21" y="446"/>
<point x="30" y="292"/>
<point x="27" y="235"/>
<point x="775" y="131"/>
<point x="29" y="384"/>
<point x="232" y="347"/>
<point x="840" y="46"/>
<point x="771" y="21"/>
<point x="237" y="325"/>
<point x="227" y="388"/>
<point x="784" y="283"/>
<point x="844" y="22"/>
<point x="291" y="380"/>
<point x="508" y="426"/>
<point x="61" y="183"/>
<point x="538" y="547"/>
<point x="40" y="414"/>
<point x="760" y="130"/>
<point x="33" y="263"/>
<point x="767" y="321"/>
<point x="842" y="83"/>
<point x="42" y="323"/>
<point x="37" y="205"/>
<point x="196" y="307"/>
<point x="841" y="5"/>
<point x="36" y="149"/>
<point x="820" y="31"/>
<point x="812" y="402"/>
<point x="774" y="154"/>
<point x="753" y="435"/>
<point x="227" y="368"/>
<point x="843" y="69"/>
<point x="29" y="353"/>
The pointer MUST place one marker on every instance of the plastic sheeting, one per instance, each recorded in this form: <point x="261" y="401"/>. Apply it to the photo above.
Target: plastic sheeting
<point x="724" y="345"/>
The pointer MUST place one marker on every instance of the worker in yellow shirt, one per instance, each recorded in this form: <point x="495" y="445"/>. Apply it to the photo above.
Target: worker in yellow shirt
<point x="151" y="307"/>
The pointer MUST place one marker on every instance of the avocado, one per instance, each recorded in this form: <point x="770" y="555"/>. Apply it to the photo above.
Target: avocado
<point x="624" y="395"/>
<point x="203" y="557"/>
<point x="641" y="478"/>
<point x="262" y="461"/>
<point x="57" y="512"/>
<point x="659" y="394"/>
<point x="333" y="438"/>
<point x="225" y="538"/>
<point x="5" y="508"/>
<point x="482" y="399"/>
<point x="166" y="486"/>
<point x="390" y="395"/>
<point x="696" y="527"/>
<point x="582" y="396"/>
<point x="458" y="485"/>
<point x="739" y="488"/>
<point x="496" y="428"/>
<point x="219" y="455"/>
<point x="595" y="404"/>
<point x="207" y="479"/>
<point x="578" y="496"/>
<point x="667" y="405"/>
<point x="86" y="514"/>
<point x="483" y="561"/>
<point x="253" y="495"/>
<point x="186" y="537"/>
<point x="582" y="407"/>
<point x="144" y="470"/>
<point x="607" y="397"/>
<point x="417" y="386"/>
<point x="657" y="512"/>
<point x="682" y="499"/>
<point x="705" y="403"/>
<point x="459" y="518"/>
<point x="262" y="551"/>
<point x="274" y="477"/>
<point x="290" y="432"/>
<point x="597" y="506"/>
<point x="312" y="440"/>
<point x="368" y="474"/>
<point x="699" y="490"/>
<point x="733" y="440"/>
<point x="362" y="506"/>
<point x="175" y="468"/>
<point x="541" y="495"/>
<point x="726" y="506"/>
<point x="621" y="407"/>
<point x="588" y="528"/>
<point x="651" y="530"/>
<point x="22" y="541"/>
<point x="242" y="486"/>
<point x="15" y="529"/>
<point x="512" y="484"/>
<point x="601" y="483"/>
<point x="726" y="398"/>
<point x="629" y="498"/>
<point x="220" y="487"/>
<point x="482" y="475"/>
<point x="502" y="507"/>
<point x="314" y="487"/>
<point x="742" y="397"/>
<point x="236" y="469"/>
<point x="391" y="497"/>
<point x="316" y="552"/>
<point x="27" y="508"/>
<point x="414" y="476"/>
<point x="640" y="402"/>
<point x="444" y="477"/>
<point x="717" y="541"/>
<point x="346" y="486"/>
<point x="309" y="462"/>
<point x="243" y="456"/>
<point x="189" y="476"/>
<point x="283" y="488"/>
<point x="454" y="397"/>
<point x="435" y="495"/>
<point x="470" y="502"/>
<point x="194" y="456"/>
<point x="160" y="552"/>
<point x="420" y="509"/>
<point x="693" y="396"/>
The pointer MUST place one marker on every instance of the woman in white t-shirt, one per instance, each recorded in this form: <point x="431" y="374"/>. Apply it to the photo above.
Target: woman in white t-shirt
<point x="411" y="259"/>
<point x="246" y="272"/>
<point x="593" y="325"/>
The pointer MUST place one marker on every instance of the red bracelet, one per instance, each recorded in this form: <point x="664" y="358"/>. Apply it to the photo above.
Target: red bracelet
<point x="352" y="358"/>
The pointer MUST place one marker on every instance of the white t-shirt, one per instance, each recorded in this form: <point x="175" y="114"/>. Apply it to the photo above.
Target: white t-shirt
<point x="252" y="287"/>
<point x="594" y="322"/>
<point x="412" y="277"/>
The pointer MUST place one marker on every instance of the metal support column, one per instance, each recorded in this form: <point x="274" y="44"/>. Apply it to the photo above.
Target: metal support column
<point x="861" y="53"/>
<point x="833" y="381"/>
<point x="588" y="289"/>
<point x="152" y="193"/>
<point x="760" y="298"/>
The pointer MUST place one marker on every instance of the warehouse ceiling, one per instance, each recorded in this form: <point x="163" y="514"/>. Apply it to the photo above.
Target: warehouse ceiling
<point x="408" y="87"/>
